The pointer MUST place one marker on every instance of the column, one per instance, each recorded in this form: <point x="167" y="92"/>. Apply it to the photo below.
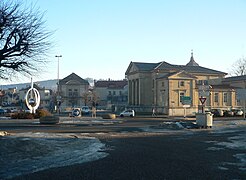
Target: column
<point x="129" y="92"/>
<point x="133" y="92"/>
<point x="137" y="92"/>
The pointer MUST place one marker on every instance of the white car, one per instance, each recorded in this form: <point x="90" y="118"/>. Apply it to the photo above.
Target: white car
<point x="85" y="110"/>
<point x="127" y="113"/>
<point x="238" y="112"/>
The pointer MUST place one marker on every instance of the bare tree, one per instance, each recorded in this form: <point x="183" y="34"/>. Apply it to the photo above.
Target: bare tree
<point x="90" y="97"/>
<point x="239" y="67"/>
<point x="24" y="40"/>
<point x="85" y="98"/>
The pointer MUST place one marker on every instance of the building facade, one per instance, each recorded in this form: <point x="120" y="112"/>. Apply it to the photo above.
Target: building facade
<point x="164" y="86"/>
<point x="111" y="93"/>
<point x="72" y="91"/>
<point x="239" y="82"/>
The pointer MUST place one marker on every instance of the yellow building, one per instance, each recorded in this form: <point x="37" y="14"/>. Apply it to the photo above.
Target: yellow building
<point x="239" y="82"/>
<point x="72" y="91"/>
<point x="175" y="89"/>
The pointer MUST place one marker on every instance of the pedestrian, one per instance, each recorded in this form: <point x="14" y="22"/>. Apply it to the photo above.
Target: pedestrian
<point x="93" y="112"/>
<point x="153" y="112"/>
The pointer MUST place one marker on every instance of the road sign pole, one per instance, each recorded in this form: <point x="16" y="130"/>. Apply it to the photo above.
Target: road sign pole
<point x="203" y="100"/>
<point x="184" y="112"/>
<point x="244" y="109"/>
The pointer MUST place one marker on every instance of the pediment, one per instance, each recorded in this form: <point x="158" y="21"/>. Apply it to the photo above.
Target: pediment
<point x="72" y="82"/>
<point x="182" y="75"/>
<point x="131" y="68"/>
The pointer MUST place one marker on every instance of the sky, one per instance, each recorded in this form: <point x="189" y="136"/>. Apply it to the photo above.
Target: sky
<point x="99" y="38"/>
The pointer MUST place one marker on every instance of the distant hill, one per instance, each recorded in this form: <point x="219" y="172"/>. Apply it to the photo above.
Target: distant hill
<point x="48" y="84"/>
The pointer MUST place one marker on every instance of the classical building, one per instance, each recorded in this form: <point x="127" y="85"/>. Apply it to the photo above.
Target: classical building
<point x="236" y="81"/>
<point x="111" y="93"/>
<point x="171" y="89"/>
<point x="72" y="91"/>
<point x="239" y="82"/>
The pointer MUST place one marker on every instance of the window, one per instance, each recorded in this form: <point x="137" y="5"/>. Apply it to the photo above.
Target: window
<point x="46" y="92"/>
<point x="70" y="93"/>
<point x="120" y="93"/>
<point x="202" y="82"/>
<point x="109" y="93"/>
<point x="199" y="82"/>
<point x="181" y="94"/>
<point x="75" y="93"/>
<point x="114" y="93"/>
<point x="205" y="82"/>
<point x="181" y="83"/>
<point x="162" y="84"/>
<point x="225" y="97"/>
<point x="216" y="97"/>
<point x="153" y="83"/>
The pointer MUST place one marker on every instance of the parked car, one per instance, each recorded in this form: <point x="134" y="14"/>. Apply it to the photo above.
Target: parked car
<point x="2" y="111"/>
<point x="217" y="112"/>
<point x="85" y="110"/>
<point x="237" y="112"/>
<point x="228" y="113"/>
<point x="128" y="113"/>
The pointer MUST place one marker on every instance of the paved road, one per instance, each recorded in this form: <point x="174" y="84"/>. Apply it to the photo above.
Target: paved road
<point x="146" y="148"/>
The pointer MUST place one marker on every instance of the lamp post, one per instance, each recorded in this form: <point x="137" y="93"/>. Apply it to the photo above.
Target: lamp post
<point x="58" y="97"/>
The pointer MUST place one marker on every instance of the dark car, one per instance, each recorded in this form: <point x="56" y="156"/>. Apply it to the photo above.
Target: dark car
<point x="217" y="112"/>
<point x="2" y="111"/>
<point x="228" y="113"/>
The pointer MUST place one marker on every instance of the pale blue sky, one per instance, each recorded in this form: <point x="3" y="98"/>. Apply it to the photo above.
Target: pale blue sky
<point x="99" y="38"/>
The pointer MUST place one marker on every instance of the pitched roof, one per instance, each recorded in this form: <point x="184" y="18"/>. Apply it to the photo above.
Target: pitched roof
<point x="176" y="73"/>
<point x="190" y="67"/>
<point x="73" y="77"/>
<point x="166" y="66"/>
<point x="200" y="69"/>
<point x="145" y="66"/>
<point x="235" y="78"/>
<point x="111" y="84"/>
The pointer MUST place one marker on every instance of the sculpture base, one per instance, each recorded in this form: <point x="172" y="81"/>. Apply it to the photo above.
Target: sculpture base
<point x="108" y="116"/>
<point x="49" y="120"/>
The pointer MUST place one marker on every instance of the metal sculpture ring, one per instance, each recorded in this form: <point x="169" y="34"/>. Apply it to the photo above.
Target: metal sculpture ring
<point x="32" y="102"/>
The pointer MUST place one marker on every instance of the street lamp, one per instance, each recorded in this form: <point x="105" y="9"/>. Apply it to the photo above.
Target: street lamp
<point x="58" y="98"/>
<point x="58" y="68"/>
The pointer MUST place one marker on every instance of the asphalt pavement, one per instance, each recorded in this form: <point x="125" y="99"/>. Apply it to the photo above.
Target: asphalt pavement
<point x="145" y="148"/>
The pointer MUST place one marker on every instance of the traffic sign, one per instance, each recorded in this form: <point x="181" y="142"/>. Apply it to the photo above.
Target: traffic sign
<point x="186" y="100"/>
<point x="202" y="99"/>
<point x="203" y="87"/>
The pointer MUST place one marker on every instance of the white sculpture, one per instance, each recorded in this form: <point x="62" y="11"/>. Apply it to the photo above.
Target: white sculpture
<point x="32" y="98"/>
